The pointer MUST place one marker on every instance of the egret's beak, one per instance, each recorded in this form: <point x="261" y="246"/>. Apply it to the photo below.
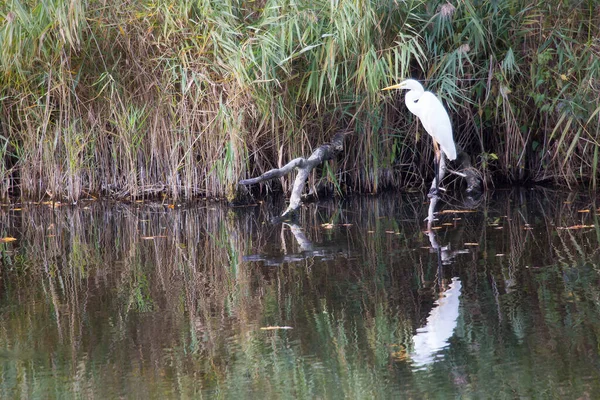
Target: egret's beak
<point x="398" y="86"/>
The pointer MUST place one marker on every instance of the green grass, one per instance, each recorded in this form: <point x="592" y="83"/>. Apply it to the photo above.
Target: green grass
<point x="188" y="97"/>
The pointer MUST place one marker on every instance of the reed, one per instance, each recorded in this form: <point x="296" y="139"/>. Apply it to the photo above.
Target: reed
<point x="184" y="98"/>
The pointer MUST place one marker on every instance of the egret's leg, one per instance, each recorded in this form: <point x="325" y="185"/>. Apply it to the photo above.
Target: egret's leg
<point x="436" y="165"/>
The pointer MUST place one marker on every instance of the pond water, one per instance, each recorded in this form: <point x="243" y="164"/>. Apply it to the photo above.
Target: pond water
<point x="501" y="299"/>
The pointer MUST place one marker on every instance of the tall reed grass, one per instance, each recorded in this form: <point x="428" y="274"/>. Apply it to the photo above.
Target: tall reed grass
<point x="184" y="98"/>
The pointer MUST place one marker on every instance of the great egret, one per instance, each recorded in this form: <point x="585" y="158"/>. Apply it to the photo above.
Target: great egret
<point x="433" y="116"/>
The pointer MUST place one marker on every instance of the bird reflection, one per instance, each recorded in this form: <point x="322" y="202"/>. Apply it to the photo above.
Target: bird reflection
<point x="435" y="335"/>
<point x="432" y="338"/>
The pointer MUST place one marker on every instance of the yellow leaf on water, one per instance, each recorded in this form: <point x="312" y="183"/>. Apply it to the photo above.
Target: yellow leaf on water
<point x="275" y="328"/>
<point x="471" y="244"/>
<point x="574" y="227"/>
<point x="327" y="226"/>
<point x="583" y="211"/>
<point x="7" y="239"/>
<point x="456" y="211"/>
<point x="152" y="237"/>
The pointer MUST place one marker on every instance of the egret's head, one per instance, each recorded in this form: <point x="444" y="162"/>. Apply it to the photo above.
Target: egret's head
<point x="409" y="84"/>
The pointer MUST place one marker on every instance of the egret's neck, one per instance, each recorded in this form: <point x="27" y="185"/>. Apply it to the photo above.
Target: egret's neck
<point x="412" y="101"/>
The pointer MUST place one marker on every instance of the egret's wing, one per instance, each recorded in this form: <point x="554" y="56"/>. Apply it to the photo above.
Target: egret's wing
<point x="436" y="122"/>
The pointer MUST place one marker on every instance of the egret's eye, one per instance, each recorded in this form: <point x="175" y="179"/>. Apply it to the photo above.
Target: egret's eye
<point x="417" y="100"/>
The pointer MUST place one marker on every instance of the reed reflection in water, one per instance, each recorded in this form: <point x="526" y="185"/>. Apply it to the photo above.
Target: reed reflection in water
<point x="109" y="300"/>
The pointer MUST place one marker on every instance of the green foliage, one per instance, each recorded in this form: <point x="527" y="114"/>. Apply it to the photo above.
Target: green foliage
<point x="191" y="96"/>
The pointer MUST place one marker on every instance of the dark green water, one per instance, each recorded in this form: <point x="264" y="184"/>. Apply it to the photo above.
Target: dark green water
<point x="142" y="301"/>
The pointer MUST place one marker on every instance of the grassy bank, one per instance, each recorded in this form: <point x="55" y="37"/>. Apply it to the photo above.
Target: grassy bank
<point x="139" y="98"/>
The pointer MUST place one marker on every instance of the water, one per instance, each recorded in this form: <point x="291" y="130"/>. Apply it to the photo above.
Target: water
<point x="144" y="301"/>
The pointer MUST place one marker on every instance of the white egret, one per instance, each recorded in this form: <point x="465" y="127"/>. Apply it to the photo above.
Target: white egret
<point x="433" y="116"/>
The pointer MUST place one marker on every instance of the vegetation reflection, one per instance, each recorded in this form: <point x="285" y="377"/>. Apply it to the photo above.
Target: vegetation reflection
<point x="115" y="300"/>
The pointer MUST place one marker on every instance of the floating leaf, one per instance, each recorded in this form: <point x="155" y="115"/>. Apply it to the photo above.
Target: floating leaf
<point x="275" y="328"/>
<point x="7" y="239"/>
<point x="574" y="227"/>
<point x="583" y="211"/>
<point x="327" y="226"/>
<point x="456" y="211"/>
<point x="471" y="244"/>
<point x="152" y="237"/>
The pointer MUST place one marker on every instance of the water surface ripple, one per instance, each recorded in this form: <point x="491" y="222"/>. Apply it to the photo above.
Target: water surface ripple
<point x="501" y="299"/>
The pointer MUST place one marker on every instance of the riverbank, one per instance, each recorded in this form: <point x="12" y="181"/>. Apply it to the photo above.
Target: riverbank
<point x="184" y="99"/>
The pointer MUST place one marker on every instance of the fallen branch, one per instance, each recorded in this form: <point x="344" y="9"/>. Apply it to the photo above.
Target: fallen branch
<point x="304" y="166"/>
<point x="467" y="172"/>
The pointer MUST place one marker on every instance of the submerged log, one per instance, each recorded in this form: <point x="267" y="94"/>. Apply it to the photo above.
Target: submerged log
<point x="325" y="152"/>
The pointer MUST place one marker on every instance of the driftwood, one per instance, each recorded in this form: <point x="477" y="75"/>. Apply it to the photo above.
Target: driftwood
<point x="304" y="166"/>
<point x="467" y="172"/>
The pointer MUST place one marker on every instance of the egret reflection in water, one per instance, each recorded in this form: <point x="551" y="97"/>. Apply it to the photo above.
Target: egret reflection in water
<point x="435" y="335"/>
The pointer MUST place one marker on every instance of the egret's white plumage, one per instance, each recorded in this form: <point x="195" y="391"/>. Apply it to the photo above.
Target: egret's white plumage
<point x="431" y="113"/>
